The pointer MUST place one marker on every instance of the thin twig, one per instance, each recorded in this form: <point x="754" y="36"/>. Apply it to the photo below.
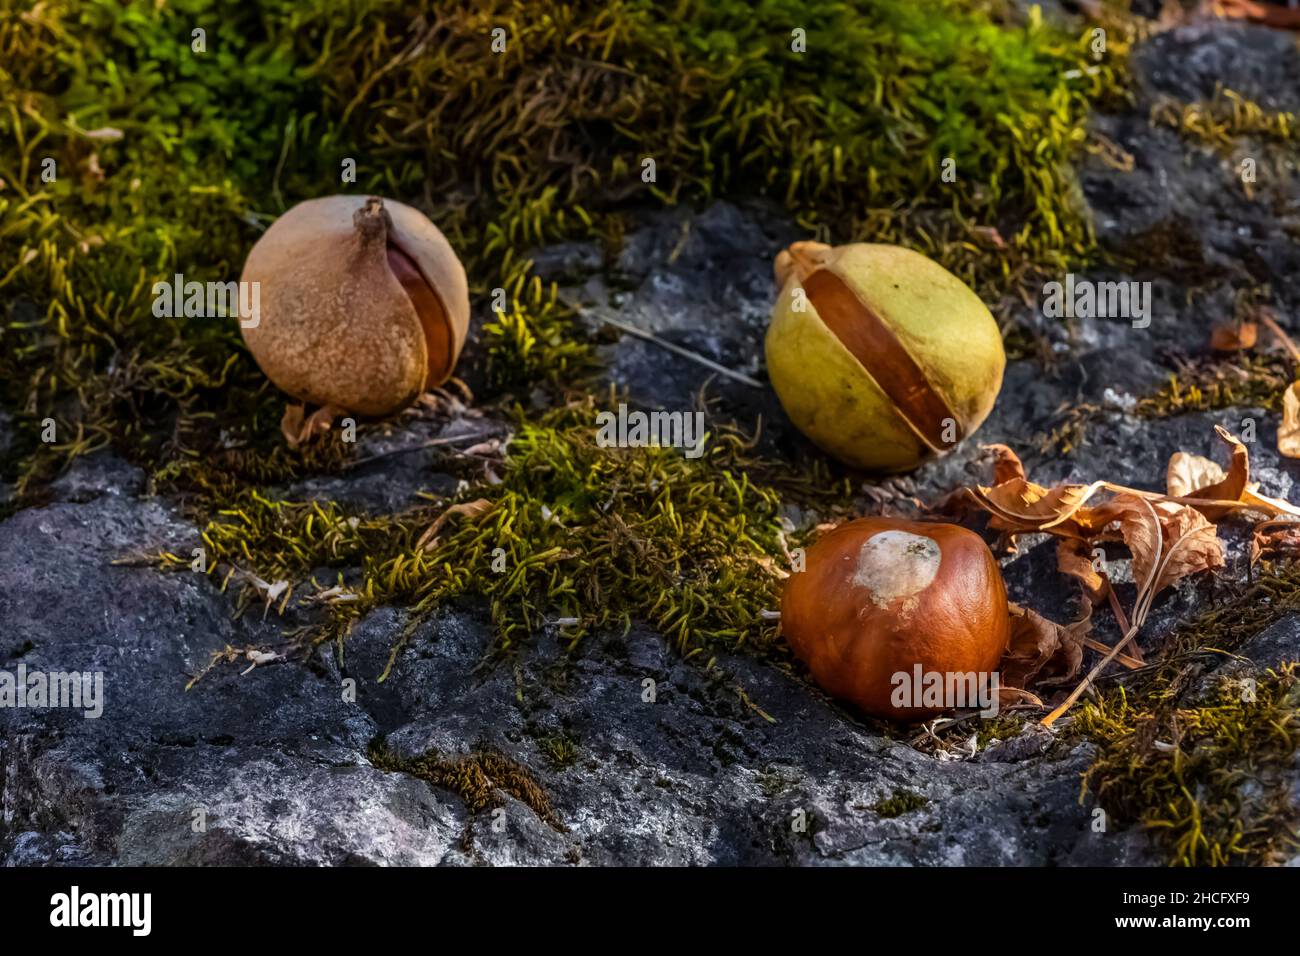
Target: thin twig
<point x="684" y="353"/>
<point x="1132" y="663"/>
<point x="1084" y="684"/>
<point x="1139" y="615"/>
<point x="432" y="443"/>
<point x="1117" y="609"/>
<point x="1277" y="330"/>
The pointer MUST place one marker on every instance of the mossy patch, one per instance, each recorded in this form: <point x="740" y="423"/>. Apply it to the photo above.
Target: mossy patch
<point x="560" y="749"/>
<point x="1209" y="775"/>
<point x="479" y="778"/>
<point x="574" y="537"/>
<point x="1213" y="782"/>
<point x="1210" y="383"/>
<point x="1002" y="727"/>
<point x="898" y="803"/>
<point x="1224" y="118"/>
<point x="157" y="175"/>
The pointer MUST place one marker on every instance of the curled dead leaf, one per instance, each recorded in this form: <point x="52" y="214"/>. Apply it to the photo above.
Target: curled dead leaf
<point x="298" y="427"/>
<point x="1215" y="496"/>
<point x="1076" y="557"/>
<point x="1234" y="336"/>
<point x="1041" y="649"/>
<point x="1020" y="506"/>
<point x="1186" y="473"/>
<point x="1014" y="696"/>
<point x="1205" y="479"/>
<point x="1275" y="539"/>
<point x="1288" y="432"/>
<point x="1170" y="536"/>
<point x="429" y="540"/>
<point x="1007" y="465"/>
<point x="1198" y="545"/>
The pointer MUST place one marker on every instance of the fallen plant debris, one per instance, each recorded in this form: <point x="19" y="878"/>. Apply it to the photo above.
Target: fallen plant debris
<point x="1234" y="336"/>
<point x="1042" y="651"/>
<point x="298" y="427"/>
<point x="1169" y="536"/>
<point x="1288" y="430"/>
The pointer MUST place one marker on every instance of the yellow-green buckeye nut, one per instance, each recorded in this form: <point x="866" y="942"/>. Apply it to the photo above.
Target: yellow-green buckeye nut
<point x="880" y="355"/>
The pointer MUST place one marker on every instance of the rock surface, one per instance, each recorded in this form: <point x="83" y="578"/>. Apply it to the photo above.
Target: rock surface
<point x="645" y="759"/>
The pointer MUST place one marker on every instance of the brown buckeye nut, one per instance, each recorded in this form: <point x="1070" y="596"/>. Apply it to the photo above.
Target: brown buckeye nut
<point x="364" y="304"/>
<point x="878" y="596"/>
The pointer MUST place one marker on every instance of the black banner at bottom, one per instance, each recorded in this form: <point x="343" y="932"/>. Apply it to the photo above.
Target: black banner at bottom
<point x="340" y="905"/>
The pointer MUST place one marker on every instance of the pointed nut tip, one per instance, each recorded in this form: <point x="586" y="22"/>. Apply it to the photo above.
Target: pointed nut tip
<point x="802" y="259"/>
<point x="371" y="220"/>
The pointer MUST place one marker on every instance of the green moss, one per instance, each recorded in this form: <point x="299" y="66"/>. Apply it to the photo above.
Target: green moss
<point x="543" y="141"/>
<point x="479" y="778"/>
<point x="1224" y="118"/>
<point x="899" y="802"/>
<point x="533" y="340"/>
<point x="1243" y="381"/>
<point x="1211" y="782"/>
<point x="560" y="749"/>
<point x="574" y="537"/>
<point x="1210" y="778"/>
<point x="78" y="340"/>
<point x="1002" y="727"/>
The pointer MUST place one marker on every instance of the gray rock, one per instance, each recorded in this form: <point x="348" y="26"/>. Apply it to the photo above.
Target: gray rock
<point x="567" y="262"/>
<point x="274" y="757"/>
<point x="1279" y="643"/>
<point x="702" y="281"/>
<point x="103" y="473"/>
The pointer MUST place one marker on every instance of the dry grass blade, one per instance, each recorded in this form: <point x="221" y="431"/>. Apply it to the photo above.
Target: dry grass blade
<point x="429" y="540"/>
<point x="683" y="352"/>
<point x="1282" y="337"/>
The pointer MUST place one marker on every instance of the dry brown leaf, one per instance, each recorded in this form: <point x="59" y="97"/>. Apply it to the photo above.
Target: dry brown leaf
<point x="1274" y="506"/>
<point x="1041" y="649"/>
<point x="1275" y="539"/>
<point x="1021" y="506"/>
<point x="1199" y="547"/>
<point x="299" y="427"/>
<point x="1013" y="696"/>
<point x="1007" y="465"/>
<point x="1199" y="550"/>
<point x="1168" y="539"/>
<point x="1018" y="505"/>
<point x="291" y="424"/>
<point x="1288" y="432"/>
<point x="1203" y="478"/>
<point x="429" y="540"/>
<point x="1190" y="470"/>
<point x="1074" y="557"/>
<point x="1234" y="336"/>
<point x="1186" y="473"/>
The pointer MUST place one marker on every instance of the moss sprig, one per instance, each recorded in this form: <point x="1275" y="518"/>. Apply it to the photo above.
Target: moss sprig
<point x="1212" y="782"/>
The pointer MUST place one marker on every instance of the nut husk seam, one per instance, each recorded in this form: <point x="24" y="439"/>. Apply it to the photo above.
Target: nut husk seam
<point x="882" y="356"/>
